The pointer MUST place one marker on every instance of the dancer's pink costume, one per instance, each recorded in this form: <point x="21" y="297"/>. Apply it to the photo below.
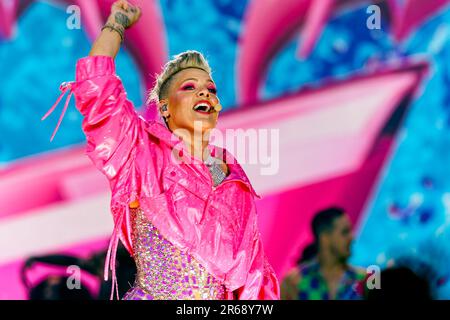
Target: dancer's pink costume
<point x="190" y="240"/>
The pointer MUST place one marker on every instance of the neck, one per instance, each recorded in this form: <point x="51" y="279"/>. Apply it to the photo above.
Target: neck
<point x="329" y="262"/>
<point x="196" y="143"/>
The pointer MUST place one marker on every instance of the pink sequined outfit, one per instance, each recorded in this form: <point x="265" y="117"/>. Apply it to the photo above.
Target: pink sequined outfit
<point x="191" y="238"/>
<point x="163" y="271"/>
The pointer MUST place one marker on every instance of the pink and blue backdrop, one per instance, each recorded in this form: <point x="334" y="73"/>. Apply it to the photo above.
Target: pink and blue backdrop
<point x="363" y="118"/>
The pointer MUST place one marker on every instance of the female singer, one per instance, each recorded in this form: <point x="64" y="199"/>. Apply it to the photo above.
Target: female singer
<point x="183" y="208"/>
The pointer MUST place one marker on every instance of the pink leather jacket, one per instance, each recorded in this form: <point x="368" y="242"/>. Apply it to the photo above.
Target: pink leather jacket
<point x="216" y="225"/>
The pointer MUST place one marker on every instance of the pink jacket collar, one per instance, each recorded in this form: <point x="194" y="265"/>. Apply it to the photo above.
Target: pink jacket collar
<point x="158" y="130"/>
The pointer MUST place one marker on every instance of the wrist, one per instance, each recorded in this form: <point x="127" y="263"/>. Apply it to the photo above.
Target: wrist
<point x="114" y="27"/>
<point x="113" y="21"/>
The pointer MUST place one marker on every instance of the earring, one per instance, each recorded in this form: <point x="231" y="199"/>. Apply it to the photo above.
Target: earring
<point x="164" y="108"/>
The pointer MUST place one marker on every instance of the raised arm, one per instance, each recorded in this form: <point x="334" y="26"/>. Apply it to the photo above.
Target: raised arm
<point x="110" y="121"/>
<point x="123" y="16"/>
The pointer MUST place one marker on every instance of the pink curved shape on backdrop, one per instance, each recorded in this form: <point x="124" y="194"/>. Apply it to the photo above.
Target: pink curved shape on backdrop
<point x="335" y="161"/>
<point x="90" y="16"/>
<point x="408" y="15"/>
<point x="316" y="19"/>
<point x="8" y="14"/>
<point x="260" y="40"/>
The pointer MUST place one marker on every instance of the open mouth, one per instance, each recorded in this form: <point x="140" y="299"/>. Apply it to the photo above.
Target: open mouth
<point x="203" y="108"/>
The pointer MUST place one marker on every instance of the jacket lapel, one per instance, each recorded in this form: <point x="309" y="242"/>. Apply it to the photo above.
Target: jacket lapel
<point x="236" y="173"/>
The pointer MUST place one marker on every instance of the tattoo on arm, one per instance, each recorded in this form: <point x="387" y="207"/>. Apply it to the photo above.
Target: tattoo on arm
<point x="122" y="19"/>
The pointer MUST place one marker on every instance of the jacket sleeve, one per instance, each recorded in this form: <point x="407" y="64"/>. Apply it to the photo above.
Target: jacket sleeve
<point x="110" y="122"/>
<point x="262" y="282"/>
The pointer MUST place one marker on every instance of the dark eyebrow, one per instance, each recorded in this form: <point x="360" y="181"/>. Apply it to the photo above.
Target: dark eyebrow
<point x="195" y="79"/>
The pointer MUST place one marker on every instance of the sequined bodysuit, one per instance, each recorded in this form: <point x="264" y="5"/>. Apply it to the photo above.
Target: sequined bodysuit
<point x="164" y="272"/>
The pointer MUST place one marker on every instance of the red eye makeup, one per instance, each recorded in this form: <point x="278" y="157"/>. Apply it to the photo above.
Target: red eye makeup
<point x="212" y="89"/>
<point x="187" y="86"/>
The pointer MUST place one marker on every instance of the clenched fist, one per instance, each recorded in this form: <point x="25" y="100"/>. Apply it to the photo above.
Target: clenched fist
<point x="124" y="13"/>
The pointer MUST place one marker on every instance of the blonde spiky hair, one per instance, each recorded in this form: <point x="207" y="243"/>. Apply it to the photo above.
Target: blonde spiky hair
<point x="181" y="61"/>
